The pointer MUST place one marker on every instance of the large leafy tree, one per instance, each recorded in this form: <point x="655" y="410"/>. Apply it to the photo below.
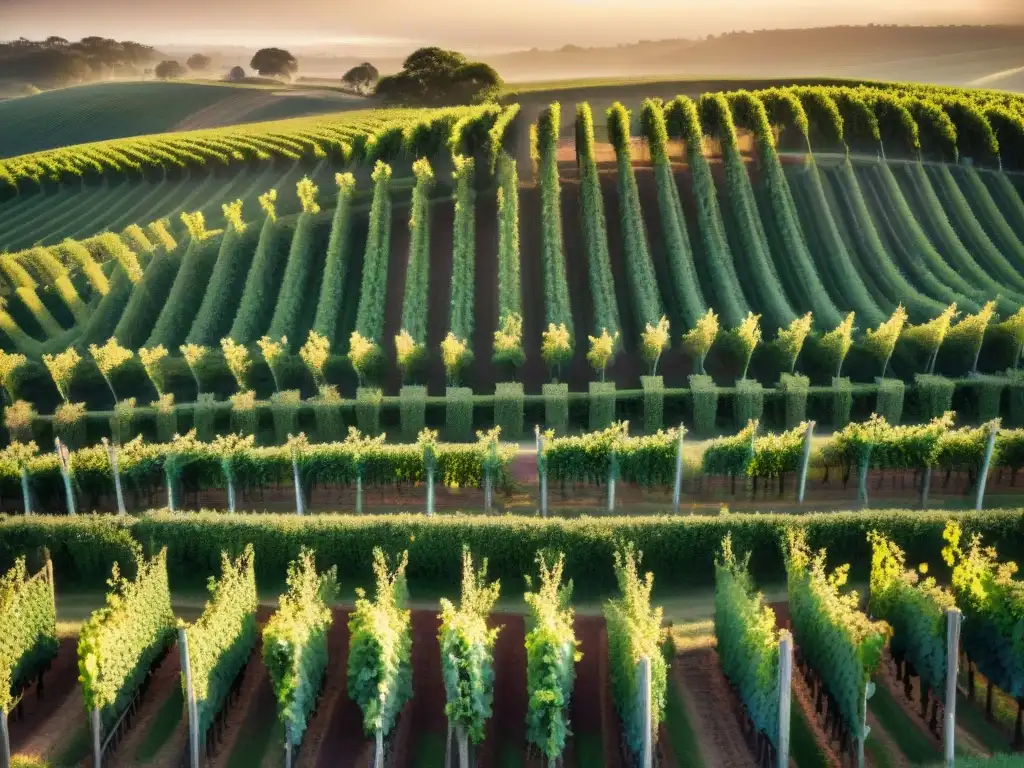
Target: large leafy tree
<point x="199" y="61"/>
<point x="434" y="76"/>
<point x="362" y="78"/>
<point x="271" y="62"/>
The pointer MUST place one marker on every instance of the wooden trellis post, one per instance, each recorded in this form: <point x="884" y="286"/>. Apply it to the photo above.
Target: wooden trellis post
<point x="193" y="710"/>
<point x="64" y="457"/>
<point x="805" y="460"/>
<point x="953" y="621"/>
<point x="112" y="456"/>
<point x="785" y="695"/>
<point x="677" y="491"/>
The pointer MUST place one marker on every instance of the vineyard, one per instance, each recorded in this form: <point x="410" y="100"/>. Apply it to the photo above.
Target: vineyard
<point x="401" y="269"/>
<point x="310" y="678"/>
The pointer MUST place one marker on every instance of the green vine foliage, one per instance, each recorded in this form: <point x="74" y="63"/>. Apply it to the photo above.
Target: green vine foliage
<point x="836" y="639"/>
<point x="992" y="602"/>
<point x="412" y="405"/>
<point x="221" y="641"/>
<point x="890" y="399"/>
<point x="914" y="607"/>
<point x="748" y="402"/>
<point x="705" y="404"/>
<point x="775" y="455"/>
<point x="654" y="403"/>
<point x="28" y="630"/>
<point x="295" y="643"/>
<point x="747" y="641"/>
<point x="730" y="455"/>
<point x="556" y="407"/>
<point x="508" y="408"/>
<point x="551" y="656"/>
<point x="842" y="401"/>
<point x="602" y="404"/>
<point x="935" y="394"/>
<point x="467" y="647"/>
<point x="120" y="641"/>
<point x="458" y="423"/>
<point x="647" y="461"/>
<point x="634" y="633"/>
<point x="380" y="649"/>
<point x="794" y="391"/>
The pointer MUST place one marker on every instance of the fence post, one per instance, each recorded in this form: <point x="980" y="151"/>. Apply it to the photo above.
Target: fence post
<point x="612" y="471"/>
<point x="647" y="750"/>
<point x="97" y="739"/>
<point x="542" y="466"/>
<point x="677" y="492"/>
<point x="785" y="695"/>
<point x="26" y="497"/>
<point x="802" y="487"/>
<point x="430" y="490"/>
<point x="49" y="577"/>
<point x="112" y="455"/>
<point x="193" y="712"/>
<point x="487" y="489"/>
<point x="65" y="470"/>
<point x="986" y="462"/>
<point x="463" y="738"/>
<point x="170" y="484"/>
<point x="5" y="742"/>
<point x="378" y="758"/>
<point x="953" y="620"/>
<point x="862" y="484"/>
<point x="869" y="691"/>
<point x="926" y="485"/>
<point x="231" y="491"/>
<point x="287" y="752"/>
<point x="359" y="491"/>
<point x="300" y="506"/>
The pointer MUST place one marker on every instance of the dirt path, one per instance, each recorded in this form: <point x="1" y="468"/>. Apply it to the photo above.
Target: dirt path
<point x="339" y="721"/>
<point x="611" y="736"/>
<point x="428" y="697"/>
<point x="48" y="721"/>
<point x="506" y="730"/>
<point x="885" y="740"/>
<point x="802" y="699"/>
<point x="161" y="685"/>
<point x="485" y="299"/>
<point x="708" y="701"/>
<point x="585" y="712"/>
<point x="226" y="111"/>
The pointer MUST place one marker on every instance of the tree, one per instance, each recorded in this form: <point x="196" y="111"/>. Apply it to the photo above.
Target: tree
<point x="274" y="62"/>
<point x="362" y="78"/>
<point x="198" y="61"/>
<point x="168" y="69"/>
<point x="434" y="76"/>
<point x="236" y="73"/>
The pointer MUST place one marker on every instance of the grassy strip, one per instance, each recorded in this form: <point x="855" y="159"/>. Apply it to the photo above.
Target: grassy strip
<point x="803" y="748"/>
<point x="163" y="726"/>
<point x="681" y="734"/>
<point x="914" y="744"/>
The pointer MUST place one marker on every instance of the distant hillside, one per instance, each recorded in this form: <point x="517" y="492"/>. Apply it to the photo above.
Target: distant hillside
<point x="944" y="55"/>
<point x="115" y="110"/>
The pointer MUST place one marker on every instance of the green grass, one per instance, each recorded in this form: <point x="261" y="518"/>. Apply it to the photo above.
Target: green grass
<point x="914" y="744"/>
<point x="114" y="110"/>
<point x="803" y="749"/>
<point x="164" y="725"/>
<point x="680" y="731"/>
<point x="429" y="751"/>
<point x="78" y="747"/>
<point x="971" y="717"/>
<point x="259" y="736"/>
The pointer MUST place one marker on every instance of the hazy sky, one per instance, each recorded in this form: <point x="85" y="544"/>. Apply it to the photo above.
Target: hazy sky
<point x="466" y="23"/>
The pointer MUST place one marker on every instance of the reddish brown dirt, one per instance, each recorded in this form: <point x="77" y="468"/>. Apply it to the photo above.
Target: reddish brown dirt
<point x="45" y="719"/>
<point x="439" y="291"/>
<point x="506" y="730"/>
<point x="531" y="277"/>
<point x="611" y="732"/>
<point x="428" y="688"/>
<point x="586" y="715"/>
<point x="161" y="685"/>
<point x="711" y="707"/>
<point x="482" y="375"/>
<point x="338" y="731"/>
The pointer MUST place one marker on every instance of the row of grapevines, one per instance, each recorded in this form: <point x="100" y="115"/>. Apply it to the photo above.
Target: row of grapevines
<point x="51" y="272"/>
<point x="916" y="610"/>
<point x="634" y="633"/>
<point x="747" y="640"/>
<point x="467" y="656"/>
<point x="760" y="278"/>
<point x="410" y="345"/>
<point x="28" y="628"/>
<point x="682" y="270"/>
<point x="648" y="460"/>
<point x="837" y="641"/>
<point x="212" y="321"/>
<point x="295" y="643"/>
<point x="992" y="602"/>
<point x="147" y="299"/>
<point x="643" y="284"/>
<point x="370" y="315"/>
<point x="263" y="278"/>
<point x="221" y="640"/>
<point x="557" y="310"/>
<point x="120" y="641"/>
<point x="551" y="655"/>
<point x="295" y="283"/>
<point x="508" y="339"/>
<point x="380" y="650"/>
<point x="337" y="262"/>
<point x="595" y="234"/>
<point x="460" y="319"/>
